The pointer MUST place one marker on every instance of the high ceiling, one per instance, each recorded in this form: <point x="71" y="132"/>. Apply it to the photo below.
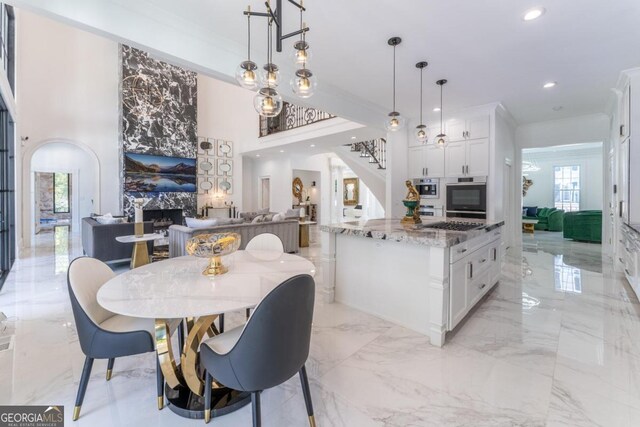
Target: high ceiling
<point x="483" y="47"/>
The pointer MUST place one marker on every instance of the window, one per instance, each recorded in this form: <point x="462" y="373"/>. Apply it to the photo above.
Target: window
<point x="566" y="190"/>
<point x="60" y="193"/>
<point x="7" y="41"/>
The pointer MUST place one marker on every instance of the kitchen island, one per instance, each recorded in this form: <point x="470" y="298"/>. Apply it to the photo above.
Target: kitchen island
<point x="423" y="278"/>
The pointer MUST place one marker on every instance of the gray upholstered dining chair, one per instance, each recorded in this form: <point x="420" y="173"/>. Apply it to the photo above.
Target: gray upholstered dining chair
<point x="267" y="350"/>
<point x="103" y="334"/>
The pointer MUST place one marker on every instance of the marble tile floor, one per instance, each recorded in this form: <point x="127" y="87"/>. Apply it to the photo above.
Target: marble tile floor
<point x="555" y="344"/>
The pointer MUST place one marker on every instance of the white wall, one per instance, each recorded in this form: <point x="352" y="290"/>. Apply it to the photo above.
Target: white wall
<point x="591" y="176"/>
<point x="225" y="111"/>
<point x="371" y="207"/>
<point x="67" y="89"/>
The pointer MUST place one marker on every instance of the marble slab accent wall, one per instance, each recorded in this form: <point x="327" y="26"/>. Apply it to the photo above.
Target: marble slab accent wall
<point x="159" y="117"/>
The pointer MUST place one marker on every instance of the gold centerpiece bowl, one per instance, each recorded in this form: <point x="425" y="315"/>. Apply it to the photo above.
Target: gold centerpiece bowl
<point x="213" y="246"/>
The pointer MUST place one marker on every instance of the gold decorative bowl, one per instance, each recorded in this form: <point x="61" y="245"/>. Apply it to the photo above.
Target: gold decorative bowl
<point x="213" y="246"/>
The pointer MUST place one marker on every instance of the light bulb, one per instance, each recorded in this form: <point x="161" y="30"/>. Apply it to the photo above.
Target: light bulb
<point x="394" y="122"/>
<point x="441" y="140"/>
<point x="246" y="75"/>
<point x="304" y="83"/>
<point x="301" y="53"/>
<point x="421" y="134"/>
<point x="270" y="76"/>
<point x="268" y="102"/>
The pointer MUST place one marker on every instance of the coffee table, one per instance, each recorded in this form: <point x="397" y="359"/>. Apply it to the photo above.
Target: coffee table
<point x="140" y="254"/>
<point x="528" y="225"/>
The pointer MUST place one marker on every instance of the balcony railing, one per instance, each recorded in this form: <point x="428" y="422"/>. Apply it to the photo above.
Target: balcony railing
<point x="291" y="117"/>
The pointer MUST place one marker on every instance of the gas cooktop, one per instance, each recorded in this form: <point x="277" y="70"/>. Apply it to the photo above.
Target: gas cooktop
<point x="454" y="225"/>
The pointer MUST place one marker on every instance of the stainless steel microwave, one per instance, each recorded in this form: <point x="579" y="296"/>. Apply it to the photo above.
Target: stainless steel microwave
<point x="467" y="197"/>
<point x="429" y="188"/>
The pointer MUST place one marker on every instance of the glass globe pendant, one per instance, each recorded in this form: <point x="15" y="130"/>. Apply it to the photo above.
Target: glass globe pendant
<point x="246" y="71"/>
<point x="246" y="75"/>
<point x="441" y="138"/>
<point x="304" y="83"/>
<point x="301" y="54"/>
<point x="394" y="121"/>
<point x="270" y="75"/>
<point x="421" y="134"/>
<point x="268" y="102"/>
<point x="421" y="129"/>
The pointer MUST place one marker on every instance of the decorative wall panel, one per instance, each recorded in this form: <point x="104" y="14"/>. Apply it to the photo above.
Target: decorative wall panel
<point x="159" y="117"/>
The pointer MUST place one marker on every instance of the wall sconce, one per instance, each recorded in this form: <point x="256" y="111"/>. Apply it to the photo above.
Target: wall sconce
<point x="313" y="183"/>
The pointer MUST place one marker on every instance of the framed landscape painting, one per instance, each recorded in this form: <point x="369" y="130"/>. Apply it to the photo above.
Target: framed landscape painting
<point x="149" y="173"/>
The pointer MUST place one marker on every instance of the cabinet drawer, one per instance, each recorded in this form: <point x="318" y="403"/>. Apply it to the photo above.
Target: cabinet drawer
<point x="478" y="287"/>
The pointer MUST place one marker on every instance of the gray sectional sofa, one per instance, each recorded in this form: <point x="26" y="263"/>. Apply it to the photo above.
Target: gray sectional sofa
<point x="288" y="231"/>
<point x="99" y="240"/>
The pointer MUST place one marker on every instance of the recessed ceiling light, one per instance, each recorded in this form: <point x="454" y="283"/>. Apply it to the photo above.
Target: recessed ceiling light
<point x="312" y="145"/>
<point x="436" y="109"/>
<point x="353" y="137"/>
<point x="282" y="151"/>
<point x="534" y="13"/>
<point x="257" y="155"/>
<point x="557" y="108"/>
<point x="549" y="85"/>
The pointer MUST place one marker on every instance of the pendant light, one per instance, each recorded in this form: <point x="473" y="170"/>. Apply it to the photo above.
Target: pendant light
<point x="303" y="83"/>
<point x="301" y="53"/>
<point x="246" y="71"/>
<point x="270" y="74"/>
<point x="441" y="139"/>
<point x="268" y="102"/>
<point x="395" y="121"/>
<point x="421" y="129"/>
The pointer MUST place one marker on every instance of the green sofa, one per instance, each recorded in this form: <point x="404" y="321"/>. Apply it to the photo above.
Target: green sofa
<point x="549" y="219"/>
<point x="585" y="226"/>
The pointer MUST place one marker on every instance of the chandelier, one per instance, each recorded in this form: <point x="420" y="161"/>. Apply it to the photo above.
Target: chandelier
<point x="268" y="101"/>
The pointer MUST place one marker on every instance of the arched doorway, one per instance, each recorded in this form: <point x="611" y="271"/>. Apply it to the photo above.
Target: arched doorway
<point x="58" y="158"/>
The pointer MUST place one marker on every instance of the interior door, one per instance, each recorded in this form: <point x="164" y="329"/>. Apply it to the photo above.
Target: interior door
<point x="623" y="182"/>
<point x="266" y="193"/>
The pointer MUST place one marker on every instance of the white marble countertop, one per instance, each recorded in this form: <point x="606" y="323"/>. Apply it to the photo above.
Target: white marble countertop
<point x="394" y="230"/>
<point x="132" y="238"/>
<point x="176" y="288"/>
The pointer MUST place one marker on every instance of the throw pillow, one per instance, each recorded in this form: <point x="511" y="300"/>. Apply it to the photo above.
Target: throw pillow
<point x="268" y="218"/>
<point x="237" y="221"/>
<point x="248" y="216"/>
<point x="532" y="211"/>
<point x="278" y="217"/>
<point x="257" y="219"/>
<point x="110" y="219"/>
<point x="263" y="211"/>
<point x="201" y="223"/>
<point x="292" y="213"/>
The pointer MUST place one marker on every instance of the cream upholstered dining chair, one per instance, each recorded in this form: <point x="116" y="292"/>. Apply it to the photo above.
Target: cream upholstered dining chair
<point x="103" y="334"/>
<point x="265" y="242"/>
<point x="266" y="351"/>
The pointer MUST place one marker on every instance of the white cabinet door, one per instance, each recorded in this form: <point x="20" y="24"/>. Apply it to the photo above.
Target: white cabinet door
<point x="623" y="190"/>
<point x="458" y="292"/>
<point x="477" y="157"/>
<point x="434" y="161"/>
<point x="455" y="155"/>
<point x="478" y="127"/>
<point x="416" y="162"/>
<point x="456" y="130"/>
<point x="625" y="110"/>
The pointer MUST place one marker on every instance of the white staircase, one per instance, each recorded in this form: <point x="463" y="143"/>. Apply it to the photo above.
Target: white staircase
<point x="367" y="159"/>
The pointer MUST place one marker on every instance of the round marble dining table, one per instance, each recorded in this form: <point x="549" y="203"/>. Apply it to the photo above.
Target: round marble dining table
<point x="176" y="289"/>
